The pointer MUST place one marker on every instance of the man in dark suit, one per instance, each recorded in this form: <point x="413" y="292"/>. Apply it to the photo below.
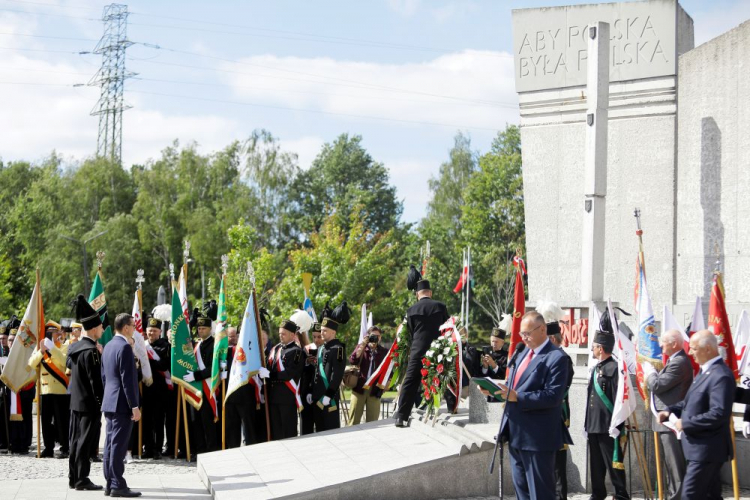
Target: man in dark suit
<point x="120" y="405"/>
<point x="424" y="320"/>
<point x="669" y="387"/>
<point x="561" y="457"/>
<point x="531" y="423"/>
<point x="86" y="392"/>
<point x="704" y="417"/>
<point x="285" y="364"/>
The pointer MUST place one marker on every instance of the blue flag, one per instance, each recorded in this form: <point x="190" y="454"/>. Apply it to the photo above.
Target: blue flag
<point x="247" y="354"/>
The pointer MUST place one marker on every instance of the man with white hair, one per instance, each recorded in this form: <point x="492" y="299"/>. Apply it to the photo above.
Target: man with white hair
<point x="704" y="417"/>
<point x="669" y="387"/>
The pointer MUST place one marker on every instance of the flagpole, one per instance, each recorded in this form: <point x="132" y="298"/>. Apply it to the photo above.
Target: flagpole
<point x="38" y="377"/>
<point x="642" y="258"/>
<point x="139" y="279"/>
<point x="224" y="265"/>
<point x="251" y="275"/>
<point x="186" y="256"/>
<point x="468" y="292"/>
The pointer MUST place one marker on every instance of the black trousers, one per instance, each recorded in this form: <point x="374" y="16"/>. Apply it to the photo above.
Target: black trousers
<point x="412" y="380"/>
<point x="4" y="414"/>
<point x="55" y="407"/>
<point x="324" y="419"/>
<point x="283" y="421"/>
<point x="561" y="474"/>
<point x="601" y="451"/>
<point x="702" y="481"/>
<point x="241" y="413"/>
<point x="21" y="432"/>
<point x="154" y="412"/>
<point x="203" y="430"/>
<point x="170" y="420"/>
<point x="84" y="435"/>
<point x="307" y="419"/>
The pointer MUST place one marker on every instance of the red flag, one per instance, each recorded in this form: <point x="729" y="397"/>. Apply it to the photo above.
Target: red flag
<point x="519" y="306"/>
<point x="462" y="279"/>
<point x="718" y="323"/>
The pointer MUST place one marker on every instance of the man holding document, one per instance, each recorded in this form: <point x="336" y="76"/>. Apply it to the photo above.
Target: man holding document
<point x="531" y="424"/>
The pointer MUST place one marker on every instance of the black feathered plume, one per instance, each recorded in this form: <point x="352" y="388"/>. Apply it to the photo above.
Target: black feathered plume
<point x="605" y="324"/>
<point x="265" y="319"/>
<point x="327" y="312"/>
<point x="413" y="278"/>
<point x="211" y="309"/>
<point x="194" y="317"/>
<point x="341" y="314"/>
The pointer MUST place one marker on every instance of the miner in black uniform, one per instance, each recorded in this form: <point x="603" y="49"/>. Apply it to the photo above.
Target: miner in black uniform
<point x="285" y="364"/>
<point x="156" y="396"/>
<point x="424" y="320"/>
<point x="472" y="361"/>
<point x="86" y="393"/>
<point x="203" y="428"/>
<point x="21" y="430"/>
<point x="4" y="409"/>
<point x="330" y="371"/>
<point x="495" y="359"/>
<point x="307" y="420"/>
<point x="561" y="458"/>
<point x="605" y="453"/>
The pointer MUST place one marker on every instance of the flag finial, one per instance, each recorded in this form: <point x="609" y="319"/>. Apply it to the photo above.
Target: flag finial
<point x="251" y="273"/>
<point x="139" y="279"/>
<point x="224" y="263"/>
<point x="171" y="270"/>
<point x="186" y="252"/>
<point x="717" y="265"/>
<point x="100" y="258"/>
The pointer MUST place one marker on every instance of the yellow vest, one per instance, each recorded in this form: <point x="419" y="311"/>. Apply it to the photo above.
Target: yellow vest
<point x="50" y="385"/>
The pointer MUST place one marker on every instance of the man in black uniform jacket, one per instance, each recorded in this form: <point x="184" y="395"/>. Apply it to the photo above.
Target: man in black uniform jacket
<point x="605" y="453"/>
<point x="495" y="363"/>
<point x="86" y="393"/>
<point x="307" y="420"/>
<point x="330" y="371"/>
<point x="561" y="458"/>
<point x="203" y="428"/>
<point x="156" y="396"/>
<point x="285" y="364"/>
<point x="424" y="320"/>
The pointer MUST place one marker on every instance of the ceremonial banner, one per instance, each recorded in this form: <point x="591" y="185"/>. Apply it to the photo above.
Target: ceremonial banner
<point x="519" y="306"/>
<point x="183" y="357"/>
<point x="16" y="374"/>
<point x="697" y="323"/>
<point x="742" y="335"/>
<point x="624" y="403"/>
<point x="595" y="318"/>
<point x="363" y="325"/>
<point x="247" y="354"/>
<point x="743" y="332"/>
<point x="182" y="290"/>
<point x="98" y="301"/>
<point x="139" y="346"/>
<point x="463" y="279"/>
<point x="718" y="323"/>
<point x="221" y="343"/>
<point x="647" y="341"/>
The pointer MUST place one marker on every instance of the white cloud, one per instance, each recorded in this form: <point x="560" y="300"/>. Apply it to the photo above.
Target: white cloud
<point x="470" y="89"/>
<point x="307" y="148"/>
<point x="410" y="177"/>
<point x="405" y="8"/>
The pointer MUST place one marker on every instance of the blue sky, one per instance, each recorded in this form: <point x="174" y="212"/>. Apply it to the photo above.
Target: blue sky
<point x="406" y="75"/>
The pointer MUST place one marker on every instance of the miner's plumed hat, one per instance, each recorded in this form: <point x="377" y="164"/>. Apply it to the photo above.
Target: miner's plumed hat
<point x="85" y="314"/>
<point x="605" y="339"/>
<point x="498" y="332"/>
<point x="202" y="320"/>
<point x="415" y="282"/>
<point x="210" y="309"/>
<point x="153" y="323"/>
<point x="339" y="316"/>
<point x="289" y="326"/>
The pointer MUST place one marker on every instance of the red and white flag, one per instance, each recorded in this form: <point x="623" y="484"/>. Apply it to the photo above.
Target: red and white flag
<point x="139" y="344"/>
<point x="697" y="323"/>
<point x="519" y="307"/>
<point x="625" y="402"/>
<point x="463" y="279"/>
<point x="718" y="323"/>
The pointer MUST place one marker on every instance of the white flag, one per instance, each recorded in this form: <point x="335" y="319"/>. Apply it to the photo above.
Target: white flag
<point x="139" y="346"/>
<point x="697" y="322"/>
<point x="625" y="402"/>
<point x="16" y="373"/>
<point x="595" y="318"/>
<point x="363" y="324"/>
<point x="182" y="293"/>
<point x="742" y="349"/>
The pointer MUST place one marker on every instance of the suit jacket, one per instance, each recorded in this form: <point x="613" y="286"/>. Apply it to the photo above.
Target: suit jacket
<point x="424" y="320"/>
<point x="85" y="388"/>
<point x="533" y="422"/>
<point x="705" y="413"/>
<point x="293" y="358"/>
<point x="120" y="377"/>
<point x="671" y="384"/>
<point x="742" y="395"/>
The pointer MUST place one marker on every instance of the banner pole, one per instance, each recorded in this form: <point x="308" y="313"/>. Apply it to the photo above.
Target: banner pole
<point x="38" y="410"/>
<point x="177" y="425"/>
<point x="184" y="419"/>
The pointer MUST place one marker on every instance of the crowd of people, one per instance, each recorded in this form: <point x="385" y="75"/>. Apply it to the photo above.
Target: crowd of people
<point x="81" y="381"/>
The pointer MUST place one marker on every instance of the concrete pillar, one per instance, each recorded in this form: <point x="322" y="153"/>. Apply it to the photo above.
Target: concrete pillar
<point x="595" y="181"/>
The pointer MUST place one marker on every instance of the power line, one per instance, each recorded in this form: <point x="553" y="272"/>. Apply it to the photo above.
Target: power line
<point x="305" y="110"/>
<point x="27" y="2"/>
<point x="36" y="13"/>
<point x="50" y="37"/>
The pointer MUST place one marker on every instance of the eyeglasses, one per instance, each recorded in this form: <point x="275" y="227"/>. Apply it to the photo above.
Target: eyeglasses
<point x="528" y="334"/>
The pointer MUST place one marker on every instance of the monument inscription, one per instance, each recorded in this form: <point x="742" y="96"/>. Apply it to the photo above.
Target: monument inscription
<point x="550" y="45"/>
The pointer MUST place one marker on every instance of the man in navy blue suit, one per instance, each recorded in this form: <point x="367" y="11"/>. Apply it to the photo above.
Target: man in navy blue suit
<point x="120" y="405"/>
<point x="704" y="419"/>
<point x="532" y="425"/>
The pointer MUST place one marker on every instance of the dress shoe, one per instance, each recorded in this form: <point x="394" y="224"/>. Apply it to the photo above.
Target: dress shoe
<point x="157" y="455"/>
<point x="89" y="487"/>
<point x="47" y="454"/>
<point x="125" y="493"/>
<point x="107" y="491"/>
<point x="148" y="455"/>
<point x="96" y="460"/>
<point x="63" y="454"/>
<point x="400" y="422"/>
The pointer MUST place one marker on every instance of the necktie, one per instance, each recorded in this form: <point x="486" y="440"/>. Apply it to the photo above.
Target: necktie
<point x="522" y="368"/>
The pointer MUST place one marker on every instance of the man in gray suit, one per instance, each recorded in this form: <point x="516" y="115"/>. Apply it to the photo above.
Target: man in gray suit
<point x="669" y="387"/>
